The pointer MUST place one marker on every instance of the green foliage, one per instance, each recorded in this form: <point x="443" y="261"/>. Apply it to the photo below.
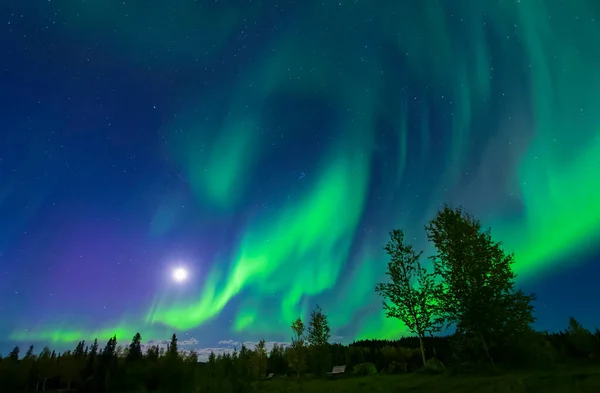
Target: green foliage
<point x="410" y="295"/>
<point x="400" y="354"/>
<point x="477" y="291"/>
<point x="435" y="365"/>
<point x="318" y="328"/>
<point x="297" y="352"/>
<point x="366" y="368"/>
<point x="318" y="340"/>
<point x="531" y="350"/>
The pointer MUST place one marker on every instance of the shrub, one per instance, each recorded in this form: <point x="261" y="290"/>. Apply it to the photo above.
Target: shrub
<point x="434" y="365"/>
<point x="365" y="369"/>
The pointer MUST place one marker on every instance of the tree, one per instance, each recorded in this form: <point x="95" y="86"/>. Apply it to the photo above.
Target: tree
<point x="243" y="362"/>
<point x="29" y="354"/>
<point x="121" y="352"/>
<point x="110" y="350"/>
<point x="318" y="328"/>
<point x="94" y="349"/>
<point x="297" y="358"/>
<point x="70" y="366"/>
<point x="582" y="340"/>
<point x="192" y="357"/>
<point x="212" y="364"/>
<point x="90" y="367"/>
<point x="28" y="367"/>
<point x="135" y="348"/>
<point x="259" y="360"/>
<point x="318" y="341"/>
<point x="172" y="349"/>
<point x="410" y="295"/>
<point x="108" y="363"/>
<point x="477" y="291"/>
<point x="172" y="378"/>
<point x="153" y="353"/>
<point x="14" y="354"/>
<point x="79" y="349"/>
<point x="47" y="366"/>
<point x="276" y="361"/>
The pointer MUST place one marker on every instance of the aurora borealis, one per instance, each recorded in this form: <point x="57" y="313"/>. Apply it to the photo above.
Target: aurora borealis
<point x="270" y="146"/>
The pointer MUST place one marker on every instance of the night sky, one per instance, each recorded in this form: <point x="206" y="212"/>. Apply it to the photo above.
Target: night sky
<point x="268" y="147"/>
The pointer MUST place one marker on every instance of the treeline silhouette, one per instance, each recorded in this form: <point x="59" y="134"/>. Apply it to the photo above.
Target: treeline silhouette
<point x="471" y="288"/>
<point x="89" y="368"/>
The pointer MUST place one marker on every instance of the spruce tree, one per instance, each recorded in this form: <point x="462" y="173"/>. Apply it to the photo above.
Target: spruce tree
<point x="135" y="348"/>
<point x="259" y="360"/>
<point x="14" y="354"/>
<point x="172" y="349"/>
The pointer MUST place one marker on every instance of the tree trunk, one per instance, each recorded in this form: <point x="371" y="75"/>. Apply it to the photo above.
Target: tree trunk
<point x="422" y="350"/>
<point x="44" y="385"/>
<point x="487" y="351"/>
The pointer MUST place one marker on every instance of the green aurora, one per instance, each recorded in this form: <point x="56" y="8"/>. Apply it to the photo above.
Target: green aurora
<point x="514" y="84"/>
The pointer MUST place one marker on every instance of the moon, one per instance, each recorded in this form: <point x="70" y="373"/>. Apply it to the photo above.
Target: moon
<point x="180" y="274"/>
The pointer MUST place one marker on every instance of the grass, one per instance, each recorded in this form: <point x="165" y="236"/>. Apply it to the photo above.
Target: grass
<point x="567" y="380"/>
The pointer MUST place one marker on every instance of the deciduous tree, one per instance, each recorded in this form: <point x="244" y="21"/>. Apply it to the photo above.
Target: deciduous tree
<point x="318" y="341"/>
<point x="297" y="352"/>
<point x="477" y="291"/>
<point x="318" y="328"/>
<point x="410" y="293"/>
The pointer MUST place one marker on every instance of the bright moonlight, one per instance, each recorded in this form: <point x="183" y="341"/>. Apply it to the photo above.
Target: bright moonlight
<point x="180" y="274"/>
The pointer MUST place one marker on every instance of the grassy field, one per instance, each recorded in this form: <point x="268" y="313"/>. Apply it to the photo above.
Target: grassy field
<point x="571" y="380"/>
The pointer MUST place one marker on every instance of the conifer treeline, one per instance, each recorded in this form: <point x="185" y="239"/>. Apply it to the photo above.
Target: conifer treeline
<point x="113" y="368"/>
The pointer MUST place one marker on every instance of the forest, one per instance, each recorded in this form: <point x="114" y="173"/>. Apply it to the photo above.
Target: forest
<point x="469" y="294"/>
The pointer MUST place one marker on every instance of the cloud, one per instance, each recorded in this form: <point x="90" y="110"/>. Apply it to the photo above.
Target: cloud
<point x="191" y="341"/>
<point x="229" y="342"/>
<point x="223" y="346"/>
